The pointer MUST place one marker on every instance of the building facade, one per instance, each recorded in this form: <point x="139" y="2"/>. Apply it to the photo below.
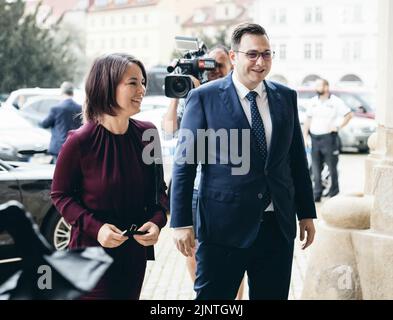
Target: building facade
<point x="144" y="28"/>
<point x="219" y="18"/>
<point x="334" y="39"/>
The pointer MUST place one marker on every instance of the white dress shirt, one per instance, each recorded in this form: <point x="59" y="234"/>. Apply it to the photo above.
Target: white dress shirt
<point x="263" y="107"/>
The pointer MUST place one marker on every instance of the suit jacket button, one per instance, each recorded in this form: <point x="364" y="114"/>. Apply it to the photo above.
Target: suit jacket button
<point x="260" y="196"/>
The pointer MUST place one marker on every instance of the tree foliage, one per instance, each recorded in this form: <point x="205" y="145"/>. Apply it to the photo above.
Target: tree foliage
<point x="32" y="54"/>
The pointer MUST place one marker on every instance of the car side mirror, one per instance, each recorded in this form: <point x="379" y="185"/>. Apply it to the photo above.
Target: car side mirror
<point x="361" y="109"/>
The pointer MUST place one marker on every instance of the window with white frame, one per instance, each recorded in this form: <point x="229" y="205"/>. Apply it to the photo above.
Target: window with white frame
<point x="344" y="15"/>
<point x="133" y="42"/>
<point x="318" y="15"/>
<point x="357" y="13"/>
<point x="308" y="15"/>
<point x="357" y="50"/>
<point x="318" y="51"/>
<point x="282" y="16"/>
<point x="283" y="51"/>
<point x="307" y="51"/>
<point x="273" y="16"/>
<point x="313" y="15"/>
<point x="346" y="50"/>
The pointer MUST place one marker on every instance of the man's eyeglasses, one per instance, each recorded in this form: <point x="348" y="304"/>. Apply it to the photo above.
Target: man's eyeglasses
<point x="254" y="55"/>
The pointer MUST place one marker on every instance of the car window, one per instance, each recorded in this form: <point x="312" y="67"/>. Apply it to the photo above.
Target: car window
<point x="369" y="98"/>
<point x="41" y="106"/>
<point x="302" y="106"/>
<point x="352" y="101"/>
<point x="156" y="81"/>
<point x="305" y="94"/>
<point x="46" y="105"/>
<point x="21" y="100"/>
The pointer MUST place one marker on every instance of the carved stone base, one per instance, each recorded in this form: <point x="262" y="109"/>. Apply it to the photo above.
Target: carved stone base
<point x="374" y="256"/>
<point x="332" y="267"/>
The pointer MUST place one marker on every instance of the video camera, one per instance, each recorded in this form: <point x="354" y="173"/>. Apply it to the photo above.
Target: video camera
<point x="179" y="84"/>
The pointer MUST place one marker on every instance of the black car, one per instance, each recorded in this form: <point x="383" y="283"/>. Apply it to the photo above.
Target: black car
<point x="30" y="185"/>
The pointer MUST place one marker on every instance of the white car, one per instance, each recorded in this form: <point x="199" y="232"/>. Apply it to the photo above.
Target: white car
<point x="36" y="109"/>
<point x="356" y="133"/>
<point x="19" y="139"/>
<point x="34" y="104"/>
<point x="18" y="98"/>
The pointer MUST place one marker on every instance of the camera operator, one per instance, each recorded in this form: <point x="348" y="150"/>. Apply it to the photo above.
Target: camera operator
<point x="172" y="118"/>
<point x="171" y="123"/>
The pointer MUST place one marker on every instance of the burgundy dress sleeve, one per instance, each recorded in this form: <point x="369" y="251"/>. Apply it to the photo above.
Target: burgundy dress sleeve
<point x="159" y="217"/>
<point x="66" y="182"/>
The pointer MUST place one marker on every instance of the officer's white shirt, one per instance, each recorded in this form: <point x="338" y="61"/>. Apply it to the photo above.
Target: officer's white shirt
<point x="326" y="115"/>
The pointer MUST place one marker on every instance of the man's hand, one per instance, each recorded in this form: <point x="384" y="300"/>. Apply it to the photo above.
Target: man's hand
<point x="151" y="237"/>
<point x="110" y="237"/>
<point x="307" y="225"/>
<point x="185" y="240"/>
<point x="195" y="81"/>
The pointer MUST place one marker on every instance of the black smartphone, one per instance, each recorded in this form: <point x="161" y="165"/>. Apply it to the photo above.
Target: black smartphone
<point x="132" y="231"/>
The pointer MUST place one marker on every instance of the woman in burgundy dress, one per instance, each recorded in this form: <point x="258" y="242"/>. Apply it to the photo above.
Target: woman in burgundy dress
<point x="102" y="186"/>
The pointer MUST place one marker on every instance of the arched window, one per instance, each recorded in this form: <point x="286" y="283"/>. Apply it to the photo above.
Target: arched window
<point x="279" y="78"/>
<point x="351" y="79"/>
<point x="310" y="79"/>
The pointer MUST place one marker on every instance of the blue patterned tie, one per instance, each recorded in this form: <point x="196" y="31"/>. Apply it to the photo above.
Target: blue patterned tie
<point x="257" y="126"/>
<point x="258" y="130"/>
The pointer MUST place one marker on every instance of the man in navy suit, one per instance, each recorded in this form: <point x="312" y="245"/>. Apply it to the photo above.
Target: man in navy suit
<point x="246" y="219"/>
<point x="62" y="118"/>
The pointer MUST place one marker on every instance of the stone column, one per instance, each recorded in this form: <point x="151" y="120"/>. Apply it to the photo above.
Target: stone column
<point x="374" y="249"/>
<point x="381" y="143"/>
<point x="382" y="171"/>
<point x="351" y="259"/>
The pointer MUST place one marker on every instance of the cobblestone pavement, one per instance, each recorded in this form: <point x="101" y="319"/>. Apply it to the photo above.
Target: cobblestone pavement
<point x="167" y="277"/>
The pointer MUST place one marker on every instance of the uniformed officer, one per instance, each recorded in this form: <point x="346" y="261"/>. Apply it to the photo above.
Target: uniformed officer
<point x="326" y="115"/>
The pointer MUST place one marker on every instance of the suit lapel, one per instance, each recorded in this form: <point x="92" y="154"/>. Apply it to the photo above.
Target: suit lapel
<point x="275" y="109"/>
<point x="230" y="99"/>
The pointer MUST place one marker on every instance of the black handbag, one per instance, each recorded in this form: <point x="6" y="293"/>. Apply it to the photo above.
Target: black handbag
<point x="68" y="274"/>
